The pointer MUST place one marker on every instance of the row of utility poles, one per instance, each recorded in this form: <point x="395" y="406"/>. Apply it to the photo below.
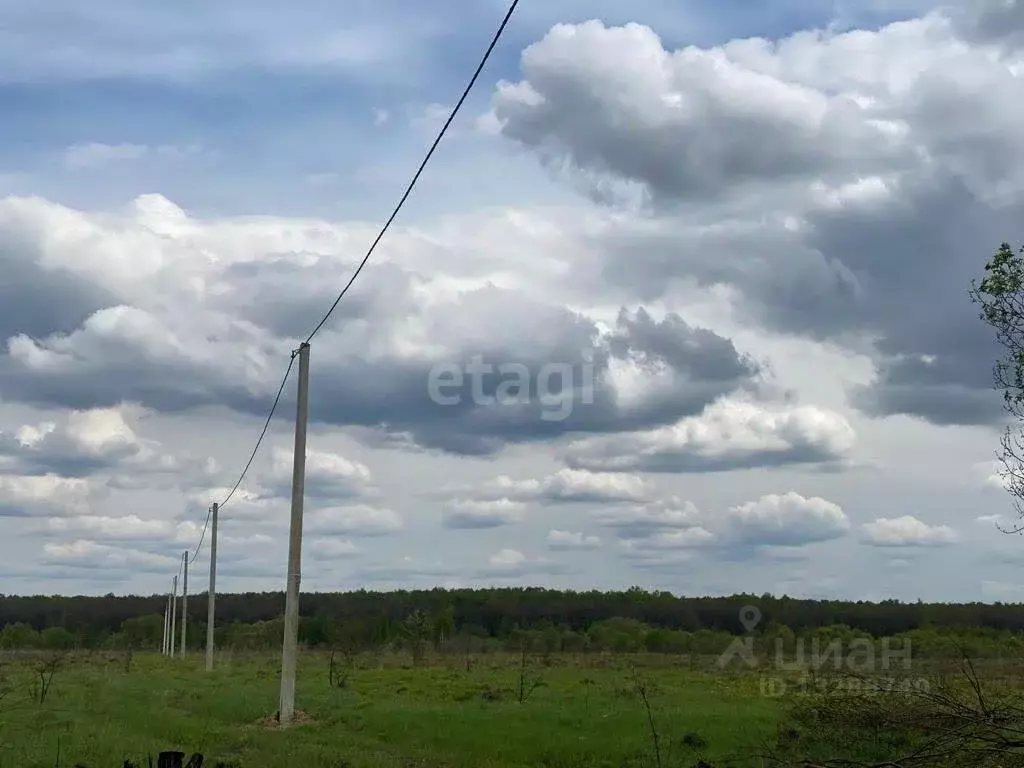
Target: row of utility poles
<point x="171" y="613"/>
<point x="289" y="651"/>
<point x="171" y="609"/>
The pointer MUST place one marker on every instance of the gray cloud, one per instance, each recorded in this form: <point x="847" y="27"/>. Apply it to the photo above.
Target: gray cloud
<point x="991" y="20"/>
<point x="837" y="189"/>
<point x="513" y="564"/>
<point x="38" y="296"/>
<point x="373" y="365"/>
<point x="82" y="444"/>
<point x="405" y="573"/>
<point x="567" y="541"/>
<point x="476" y="514"/>
<point x="701" y="364"/>
<point x="906" y="531"/>
<point x="685" y="124"/>
<point x="645" y="520"/>
<point x="566" y="486"/>
<point x="727" y="436"/>
<point x="106" y="529"/>
<point x="89" y="555"/>
<point x="45" y="495"/>
<point x="354" y="520"/>
<point x="786" y="520"/>
<point x="887" y="192"/>
<point x="670" y="530"/>
<point x="328" y="477"/>
<point x="332" y="549"/>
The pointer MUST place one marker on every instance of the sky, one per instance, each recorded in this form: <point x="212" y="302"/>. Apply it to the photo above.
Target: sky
<point x="681" y="302"/>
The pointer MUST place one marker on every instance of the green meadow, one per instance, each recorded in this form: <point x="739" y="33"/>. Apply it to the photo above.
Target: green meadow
<point x="100" y="710"/>
<point x="116" y="709"/>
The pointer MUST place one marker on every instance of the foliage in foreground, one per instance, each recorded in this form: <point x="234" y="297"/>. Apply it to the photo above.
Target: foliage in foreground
<point x="1000" y="297"/>
<point x="953" y="722"/>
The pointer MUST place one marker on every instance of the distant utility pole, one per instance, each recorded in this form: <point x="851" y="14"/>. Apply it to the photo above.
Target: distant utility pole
<point x="212" y="596"/>
<point x="286" y="710"/>
<point x="167" y="627"/>
<point x="184" y="605"/>
<point x="167" y="624"/>
<point x="174" y="613"/>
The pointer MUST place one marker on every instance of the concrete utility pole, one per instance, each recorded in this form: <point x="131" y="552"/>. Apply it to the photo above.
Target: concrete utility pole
<point x="167" y="624"/>
<point x="291" y="607"/>
<point x="184" y="605"/>
<point x="213" y="588"/>
<point x="174" y="613"/>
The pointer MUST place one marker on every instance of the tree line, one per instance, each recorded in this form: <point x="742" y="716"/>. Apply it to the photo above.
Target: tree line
<point x="555" y="619"/>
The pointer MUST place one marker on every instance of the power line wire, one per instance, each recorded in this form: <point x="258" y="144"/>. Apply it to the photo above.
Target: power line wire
<point x="202" y="536"/>
<point x="266" y="426"/>
<point x="252" y="456"/>
<point x="419" y="171"/>
<point x="373" y="246"/>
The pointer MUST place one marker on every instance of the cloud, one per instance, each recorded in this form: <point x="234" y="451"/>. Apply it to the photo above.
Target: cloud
<point x="685" y="123"/>
<point x="335" y="488"/>
<point x="333" y="549"/>
<point x="502" y="566"/>
<point x="507" y="557"/>
<point x="689" y="538"/>
<point x="729" y="435"/>
<point x="906" y="531"/>
<point x="786" y="520"/>
<point x="837" y="185"/>
<point x="97" y="154"/>
<point x="772" y="524"/>
<point x="356" y="520"/>
<point x="328" y="476"/>
<point x="648" y="519"/>
<point x="566" y="486"/>
<point x="1000" y="21"/>
<point x="430" y="118"/>
<point x="235" y="293"/>
<point x="206" y="44"/>
<point x="251" y="506"/>
<point x="992" y="519"/>
<point x="406" y="571"/>
<point x="44" y="495"/>
<point x="99" y="528"/>
<point x="96" y="441"/>
<point x="1001" y="591"/>
<point x="90" y="555"/>
<point x="504" y="500"/>
<point x="513" y="564"/>
<point x="571" y="540"/>
<point x="39" y="294"/>
<point x="734" y="254"/>
<point x="992" y="475"/>
<point x="482" y="513"/>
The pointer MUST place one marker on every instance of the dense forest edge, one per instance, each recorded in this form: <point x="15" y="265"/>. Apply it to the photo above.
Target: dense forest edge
<point x="479" y="620"/>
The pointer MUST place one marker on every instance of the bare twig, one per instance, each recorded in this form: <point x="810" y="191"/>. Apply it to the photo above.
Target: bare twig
<point x="641" y="689"/>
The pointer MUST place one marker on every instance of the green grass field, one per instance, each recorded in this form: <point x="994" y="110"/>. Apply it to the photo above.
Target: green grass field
<point x="586" y="712"/>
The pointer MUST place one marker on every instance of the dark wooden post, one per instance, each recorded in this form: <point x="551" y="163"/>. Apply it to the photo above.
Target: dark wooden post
<point x="170" y="760"/>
